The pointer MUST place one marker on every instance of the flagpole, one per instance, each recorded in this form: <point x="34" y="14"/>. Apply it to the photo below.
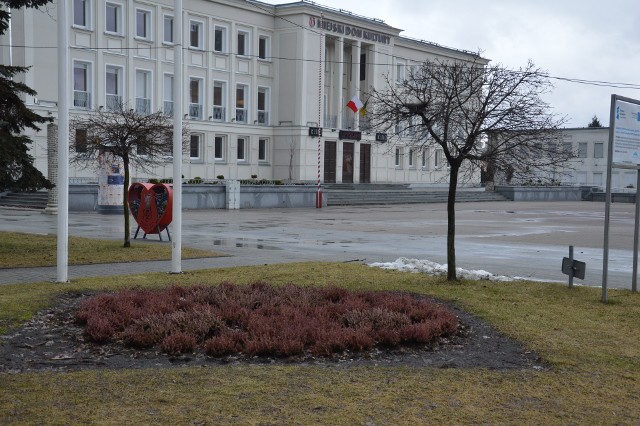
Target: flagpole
<point x="176" y="242"/>
<point x="63" y="145"/>
<point x="319" y="190"/>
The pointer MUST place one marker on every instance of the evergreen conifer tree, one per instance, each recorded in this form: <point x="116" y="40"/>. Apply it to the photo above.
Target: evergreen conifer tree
<point x="17" y="171"/>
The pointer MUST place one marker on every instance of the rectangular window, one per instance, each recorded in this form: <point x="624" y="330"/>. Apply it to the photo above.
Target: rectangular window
<point x="414" y="71"/>
<point x="243" y="43"/>
<point x="113" y="18"/>
<point x="168" y="94"/>
<point x="263" y="47"/>
<point x="263" y="149"/>
<point x="411" y="158"/>
<point x="195" y="98"/>
<point x="567" y="147"/>
<point x="167" y="36"/>
<point x="438" y="160"/>
<point x="582" y="150"/>
<point x="363" y="66"/>
<point x="81" y="85"/>
<point x="142" y="147"/>
<point x="399" y="128"/>
<point x="400" y="72"/>
<point x="597" y="179"/>
<point x="598" y="150"/>
<point x="220" y="40"/>
<point x="219" y="98"/>
<point x="143" y="92"/>
<point x="398" y="159"/>
<point x="581" y="178"/>
<point x="81" y="140"/>
<point x="425" y="159"/>
<point x="143" y="24"/>
<point x="196" y="147"/>
<point x="81" y="13"/>
<point x="196" y="35"/>
<point x="219" y="148"/>
<point x="242" y="150"/>
<point x="241" y="103"/>
<point x="263" y="105"/>
<point x="113" y="88"/>
<point x="411" y="126"/>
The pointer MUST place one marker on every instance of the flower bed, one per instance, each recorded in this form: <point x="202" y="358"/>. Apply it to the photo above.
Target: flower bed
<point x="261" y="320"/>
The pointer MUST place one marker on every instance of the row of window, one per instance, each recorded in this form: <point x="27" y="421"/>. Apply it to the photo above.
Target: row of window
<point x="220" y="149"/>
<point x="196" y="148"/>
<point x="114" y="95"/>
<point x="114" y="25"/>
<point x="619" y="179"/>
<point x="425" y="158"/>
<point x="583" y="148"/>
<point x="401" y="71"/>
<point x="438" y="157"/>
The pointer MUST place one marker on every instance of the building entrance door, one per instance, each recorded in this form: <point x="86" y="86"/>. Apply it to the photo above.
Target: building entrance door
<point x="347" y="162"/>
<point x="365" y="163"/>
<point x="329" y="162"/>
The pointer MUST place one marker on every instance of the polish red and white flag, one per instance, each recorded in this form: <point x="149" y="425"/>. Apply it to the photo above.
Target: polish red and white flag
<point x="354" y="104"/>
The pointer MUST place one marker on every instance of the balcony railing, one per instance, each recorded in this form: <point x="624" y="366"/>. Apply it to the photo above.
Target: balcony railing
<point x="348" y="121"/>
<point x="195" y="111"/>
<point x="168" y="108"/>
<point x="263" y="118"/>
<point x="81" y="99"/>
<point x="241" y="115"/>
<point x="143" y="106"/>
<point x="114" y="102"/>
<point x="331" y="121"/>
<point x="218" y="113"/>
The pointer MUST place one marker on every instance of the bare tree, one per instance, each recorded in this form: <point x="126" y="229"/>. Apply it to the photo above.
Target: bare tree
<point x="479" y="116"/>
<point x="139" y="139"/>
<point x="292" y="153"/>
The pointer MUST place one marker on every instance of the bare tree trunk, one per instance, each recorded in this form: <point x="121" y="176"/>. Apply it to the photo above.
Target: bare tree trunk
<point x="292" y="153"/>
<point x="125" y="204"/>
<point x="451" y="222"/>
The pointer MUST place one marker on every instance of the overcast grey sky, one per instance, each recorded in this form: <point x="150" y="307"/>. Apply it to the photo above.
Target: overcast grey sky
<point x="586" y="39"/>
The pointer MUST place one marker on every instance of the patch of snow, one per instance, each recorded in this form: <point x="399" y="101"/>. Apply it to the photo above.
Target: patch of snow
<point x="432" y="268"/>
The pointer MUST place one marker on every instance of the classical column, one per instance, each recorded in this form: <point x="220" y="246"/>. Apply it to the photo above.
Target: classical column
<point x="340" y="81"/>
<point x="52" y="161"/>
<point x="357" y="47"/>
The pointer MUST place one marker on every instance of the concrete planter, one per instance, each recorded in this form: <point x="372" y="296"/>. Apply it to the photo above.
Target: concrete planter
<point x="273" y="196"/>
<point x="540" y="193"/>
<point x="84" y="198"/>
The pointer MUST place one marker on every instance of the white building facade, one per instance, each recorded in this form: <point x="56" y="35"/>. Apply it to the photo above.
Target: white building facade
<point x="589" y="168"/>
<point x="261" y="82"/>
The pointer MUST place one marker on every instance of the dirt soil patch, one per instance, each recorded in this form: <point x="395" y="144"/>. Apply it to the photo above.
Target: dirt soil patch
<point x="52" y="341"/>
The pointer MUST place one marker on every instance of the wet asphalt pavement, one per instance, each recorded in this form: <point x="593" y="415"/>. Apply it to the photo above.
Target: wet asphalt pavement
<point x="526" y="239"/>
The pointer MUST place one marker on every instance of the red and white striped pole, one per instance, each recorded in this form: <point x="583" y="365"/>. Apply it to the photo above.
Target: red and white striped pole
<point x="319" y="191"/>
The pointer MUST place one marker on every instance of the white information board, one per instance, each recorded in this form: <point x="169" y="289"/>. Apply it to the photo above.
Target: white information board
<point x="624" y="152"/>
<point x="626" y="133"/>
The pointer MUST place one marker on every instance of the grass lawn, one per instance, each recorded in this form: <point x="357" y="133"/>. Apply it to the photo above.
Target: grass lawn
<point x="593" y="349"/>
<point x="24" y="250"/>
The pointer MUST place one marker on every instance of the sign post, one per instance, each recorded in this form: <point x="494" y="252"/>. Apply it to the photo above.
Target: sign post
<point x="573" y="268"/>
<point x="636" y="231"/>
<point x="624" y="152"/>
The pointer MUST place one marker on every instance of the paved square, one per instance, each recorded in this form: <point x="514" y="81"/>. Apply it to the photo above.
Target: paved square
<point x="527" y="239"/>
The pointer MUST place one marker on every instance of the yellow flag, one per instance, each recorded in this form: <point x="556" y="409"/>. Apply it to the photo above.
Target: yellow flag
<point x="363" y="110"/>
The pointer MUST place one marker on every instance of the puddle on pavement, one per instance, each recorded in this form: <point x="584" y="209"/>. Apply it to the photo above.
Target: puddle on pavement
<point x="243" y="243"/>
